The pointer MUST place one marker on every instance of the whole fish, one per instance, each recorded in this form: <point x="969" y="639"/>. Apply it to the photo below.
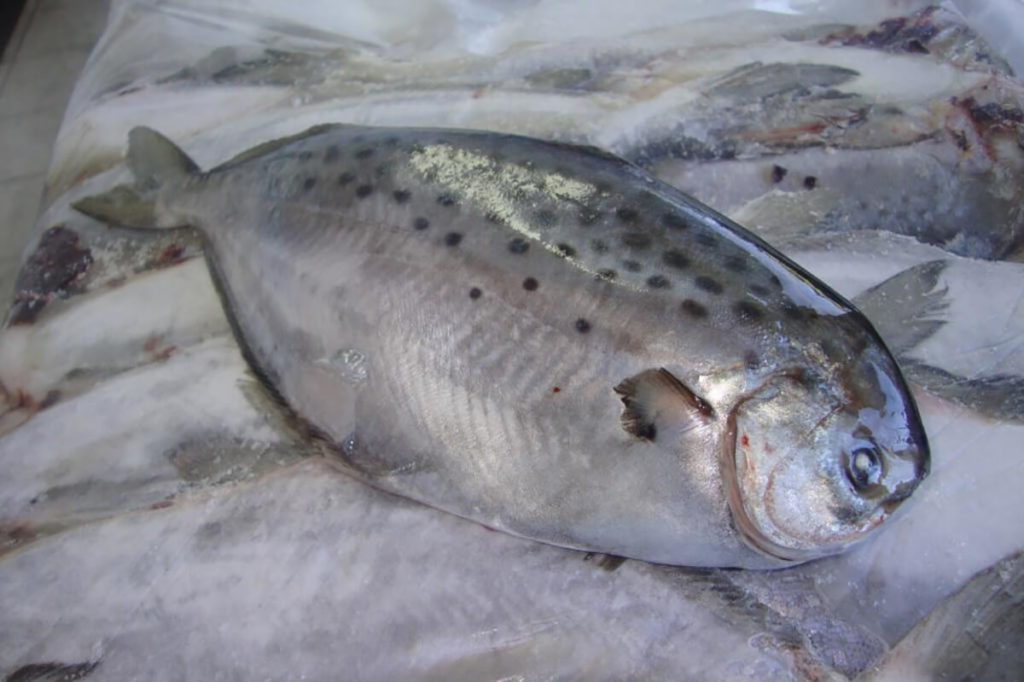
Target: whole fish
<point x="545" y="339"/>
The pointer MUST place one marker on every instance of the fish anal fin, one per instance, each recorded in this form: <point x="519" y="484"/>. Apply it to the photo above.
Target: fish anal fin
<point x="657" y="402"/>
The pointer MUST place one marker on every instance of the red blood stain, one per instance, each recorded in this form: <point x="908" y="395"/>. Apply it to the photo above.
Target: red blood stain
<point x="162" y="504"/>
<point x="165" y="353"/>
<point x="556" y="389"/>
<point x="745" y="441"/>
<point x="150" y="344"/>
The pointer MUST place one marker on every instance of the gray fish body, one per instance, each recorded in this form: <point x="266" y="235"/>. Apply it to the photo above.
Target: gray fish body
<point x="485" y="322"/>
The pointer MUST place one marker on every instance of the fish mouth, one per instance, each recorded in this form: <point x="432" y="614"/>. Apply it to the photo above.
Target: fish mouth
<point x="748" y="529"/>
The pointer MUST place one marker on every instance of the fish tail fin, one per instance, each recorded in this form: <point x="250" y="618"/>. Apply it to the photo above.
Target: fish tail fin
<point x="156" y="163"/>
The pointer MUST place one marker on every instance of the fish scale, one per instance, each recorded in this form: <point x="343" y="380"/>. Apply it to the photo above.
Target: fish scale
<point x="550" y="342"/>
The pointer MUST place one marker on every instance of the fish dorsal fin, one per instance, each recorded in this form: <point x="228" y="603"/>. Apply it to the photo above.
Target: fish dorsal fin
<point x="657" y="402"/>
<point x="267" y="147"/>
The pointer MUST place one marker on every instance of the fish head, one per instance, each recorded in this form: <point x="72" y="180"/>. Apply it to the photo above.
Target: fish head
<point x="814" y="462"/>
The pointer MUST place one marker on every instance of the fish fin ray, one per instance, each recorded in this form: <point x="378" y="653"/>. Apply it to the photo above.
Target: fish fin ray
<point x="657" y="401"/>
<point x="272" y="145"/>
<point x="907" y="308"/>
<point x="155" y="160"/>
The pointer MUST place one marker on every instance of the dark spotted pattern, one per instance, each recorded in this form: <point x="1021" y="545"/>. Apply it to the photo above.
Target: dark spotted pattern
<point x="364" y="153"/>
<point x="475" y="293"/>
<point x="735" y="264"/>
<point x="582" y="326"/>
<point x="694" y="309"/>
<point x="421" y="223"/>
<point x="810" y="182"/>
<point x="674" y="221"/>
<point x="751" y="360"/>
<point x="636" y="240"/>
<point x="363" y="191"/>
<point x="305" y="156"/>
<point x="308" y="184"/>
<point x="453" y="239"/>
<point x="705" y="239"/>
<point x="708" y="284"/>
<point x="658" y="282"/>
<point x="626" y="214"/>
<point x="401" y="195"/>
<point x="778" y="173"/>
<point x="447" y="199"/>
<point x="632" y="265"/>
<point x="675" y="259"/>
<point x="759" y="289"/>
<point x="345" y="178"/>
<point x="565" y="250"/>
<point x="747" y="311"/>
<point x="530" y="284"/>
<point x="519" y="245"/>
<point x="332" y="154"/>
<point x="607" y="274"/>
<point x="599" y="246"/>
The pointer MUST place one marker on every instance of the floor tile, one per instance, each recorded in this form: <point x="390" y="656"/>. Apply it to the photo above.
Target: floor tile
<point x="19" y="206"/>
<point x="26" y="142"/>
<point x="70" y="24"/>
<point x="41" y="83"/>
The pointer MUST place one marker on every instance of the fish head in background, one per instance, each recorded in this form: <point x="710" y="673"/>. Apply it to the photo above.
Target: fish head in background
<point x="818" y="458"/>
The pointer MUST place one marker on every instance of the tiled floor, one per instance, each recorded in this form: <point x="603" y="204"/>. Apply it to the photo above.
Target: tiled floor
<point x="37" y="73"/>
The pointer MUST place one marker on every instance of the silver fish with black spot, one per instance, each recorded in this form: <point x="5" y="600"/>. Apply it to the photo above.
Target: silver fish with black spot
<point x="547" y="340"/>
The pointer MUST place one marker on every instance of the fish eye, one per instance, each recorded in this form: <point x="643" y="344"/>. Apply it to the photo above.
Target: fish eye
<point x="864" y="468"/>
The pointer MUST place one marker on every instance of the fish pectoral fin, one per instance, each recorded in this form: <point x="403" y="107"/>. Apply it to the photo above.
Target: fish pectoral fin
<point x="657" y="402"/>
<point x="909" y="307"/>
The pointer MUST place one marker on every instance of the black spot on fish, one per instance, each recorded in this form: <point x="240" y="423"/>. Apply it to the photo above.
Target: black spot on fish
<point x="382" y="170"/>
<point x="363" y="191"/>
<point x="694" y="309"/>
<point x="401" y="195"/>
<point x="792" y="311"/>
<point x="626" y="214"/>
<point x="778" y="173"/>
<point x="751" y="360"/>
<point x="545" y="218"/>
<point x="452" y="238"/>
<point x="607" y="274"/>
<point x="775" y="280"/>
<point x="332" y="154"/>
<point x="582" y="326"/>
<point x="475" y="293"/>
<point x="759" y="289"/>
<point x="588" y="216"/>
<point x="345" y="178"/>
<point x="421" y="223"/>
<point x="632" y="265"/>
<point x="530" y="284"/>
<point x="673" y="220"/>
<point x="810" y="182"/>
<point x="708" y="284"/>
<point x="675" y="259"/>
<point x="447" y="199"/>
<point x="735" y="264"/>
<point x="519" y="245"/>
<point x="636" y="240"/>
<point x="599" y="246"/>
<point x="364" y="153"/>
<point x="705" y="239"/>
<point x="565" y="250"/>
<point x="658" y="282"/>
<point x="747" y="311"/>
<point x="308" y="184"/>
<point x="305" y="156"/>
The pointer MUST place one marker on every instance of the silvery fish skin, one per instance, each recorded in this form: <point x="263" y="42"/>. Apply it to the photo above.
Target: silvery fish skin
<point x="544" y="339"/>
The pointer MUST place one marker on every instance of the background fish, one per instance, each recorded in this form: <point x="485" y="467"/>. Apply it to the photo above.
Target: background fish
<point x="546" y="340"/>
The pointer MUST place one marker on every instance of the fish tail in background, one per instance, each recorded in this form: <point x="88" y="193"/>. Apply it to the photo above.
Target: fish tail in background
<point x="156" y="163"/>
